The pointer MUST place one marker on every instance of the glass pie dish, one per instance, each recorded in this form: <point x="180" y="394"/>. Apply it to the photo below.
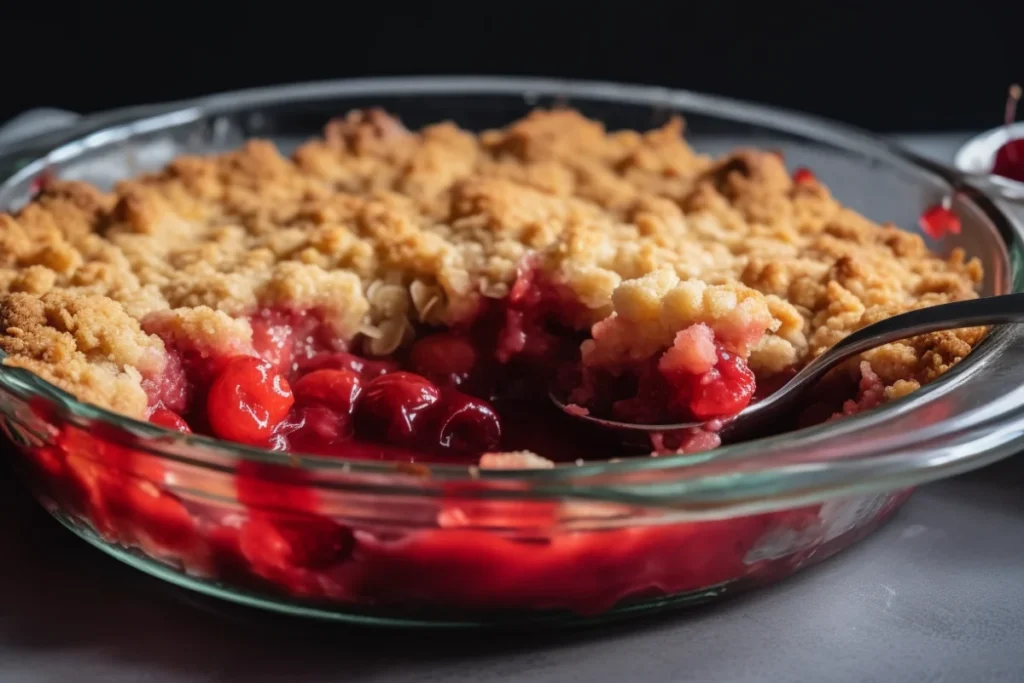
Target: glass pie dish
<point x="452" y="545"/>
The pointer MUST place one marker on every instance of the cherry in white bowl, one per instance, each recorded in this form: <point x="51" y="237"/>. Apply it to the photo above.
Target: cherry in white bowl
<point x="998" y="154"/>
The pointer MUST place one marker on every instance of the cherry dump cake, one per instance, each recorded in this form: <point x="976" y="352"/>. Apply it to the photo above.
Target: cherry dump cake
<point x="412" y="297"/>
<point x="386" y="294"/>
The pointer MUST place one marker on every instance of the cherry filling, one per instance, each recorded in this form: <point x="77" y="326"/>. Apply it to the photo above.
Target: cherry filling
<point x="445" y="359"/>
<point x="724" y="390"/>
<point x="326" y="399"/>
<point x="341" y="360"/>
<point x="169" y="420"/>
<point x="280" y="539"/>
<point x="446" y="397"/>
<point x="450" y="395"/>
<point x="397" y="407"/>
<point x="466" y="425"/>
<point x="455" y="395"/>
<point x="696" y="379"/>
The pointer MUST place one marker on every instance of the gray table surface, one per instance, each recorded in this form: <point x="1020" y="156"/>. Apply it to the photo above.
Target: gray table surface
<point x="936" y="595"/>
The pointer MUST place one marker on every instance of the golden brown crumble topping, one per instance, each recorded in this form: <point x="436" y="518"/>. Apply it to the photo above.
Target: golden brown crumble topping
<point x="376" y="228"/>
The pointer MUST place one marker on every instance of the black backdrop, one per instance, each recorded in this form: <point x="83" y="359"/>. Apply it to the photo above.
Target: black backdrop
<point x="886" y="66"/>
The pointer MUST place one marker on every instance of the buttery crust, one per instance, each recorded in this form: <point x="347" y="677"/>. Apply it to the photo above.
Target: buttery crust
<point x="375" y="228"/>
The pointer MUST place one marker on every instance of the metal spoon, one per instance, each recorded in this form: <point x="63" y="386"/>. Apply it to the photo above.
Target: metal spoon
<point x="995" y="310"/>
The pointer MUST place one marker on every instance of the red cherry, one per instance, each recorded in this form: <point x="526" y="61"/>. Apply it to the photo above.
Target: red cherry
<point x="327" y="398"/>
<point x="803" y="175"/>
<point x="247" y="400"/>
<point x="445" y="359"/>
<point x="341" y="360"/>
<point x="467" y="424"/>
<point x="1009" y="161"/>
<point x="320" y="426"/>
<point x="394" y="406"/>
<point x="725" y="390"/>
<point x="938" y="221"/>
<point x="337" y="389"/>
<point x="169" y="419"/>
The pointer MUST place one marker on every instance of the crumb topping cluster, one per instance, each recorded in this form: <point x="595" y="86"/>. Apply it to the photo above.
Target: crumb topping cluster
<point x="650" y="311"/>
<point x="376" y="230"/>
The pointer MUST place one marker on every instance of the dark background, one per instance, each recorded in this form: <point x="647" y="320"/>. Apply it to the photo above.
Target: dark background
<point x="886" y="66"/>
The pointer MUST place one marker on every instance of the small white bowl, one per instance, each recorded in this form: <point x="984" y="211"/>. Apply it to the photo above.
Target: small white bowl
<point x="977" y="156"/>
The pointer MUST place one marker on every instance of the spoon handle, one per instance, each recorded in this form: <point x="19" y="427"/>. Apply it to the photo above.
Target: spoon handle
<point x="993" y="310"/>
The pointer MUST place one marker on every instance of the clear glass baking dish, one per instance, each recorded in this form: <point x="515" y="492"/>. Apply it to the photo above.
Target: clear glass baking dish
<point x="394" y="544"/>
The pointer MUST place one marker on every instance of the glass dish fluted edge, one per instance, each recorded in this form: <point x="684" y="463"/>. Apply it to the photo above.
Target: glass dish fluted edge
<point x="981" y="401"/>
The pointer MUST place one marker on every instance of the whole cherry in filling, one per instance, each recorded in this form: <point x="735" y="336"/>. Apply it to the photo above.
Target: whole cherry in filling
<point x="248" y="400"/>
<point x="396" y="408"/>
<point x="466" y="424"/>
<point x="302" y="393"/>
<point x="325" y="400"/>
<point x="405" y="409"/>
